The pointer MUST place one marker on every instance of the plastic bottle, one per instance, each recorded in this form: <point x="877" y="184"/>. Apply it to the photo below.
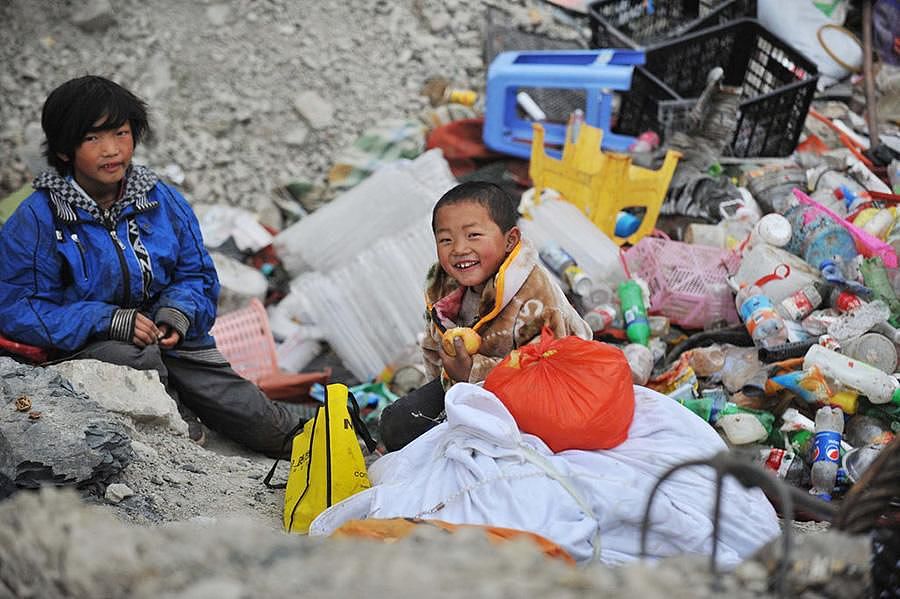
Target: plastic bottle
<point x="640" y="359"/>
<point x="563" y="265"/>
<point x="763" y="323"/>
<point x="802" y="303"/>
<point x="530" y="107"/>
<point x="878" y="386"/>
<point x="600" y="317"/>
<point x="846" y="302"/>
<point x="578" y="280"/>
<point x="876" y="277"/>
<point x="827" y="451"/>
<point x="773" y="229"/>
<point x="782" y="462"/>
<point x="879" y="224"/>
<point x="708" y="406"/>
<point x="637" y="327"/>
<point x="833" y="274"/>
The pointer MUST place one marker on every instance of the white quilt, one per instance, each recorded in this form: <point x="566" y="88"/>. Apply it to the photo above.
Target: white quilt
<point x="478" y="468"/>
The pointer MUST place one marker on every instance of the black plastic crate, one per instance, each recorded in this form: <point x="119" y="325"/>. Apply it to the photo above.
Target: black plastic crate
<point x="627" y="24"/>
<point x="777" y="81"/>
<point x="500" y="36"/>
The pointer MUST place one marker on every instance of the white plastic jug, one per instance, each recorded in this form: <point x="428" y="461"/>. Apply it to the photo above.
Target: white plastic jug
<point x="779" y="273"/>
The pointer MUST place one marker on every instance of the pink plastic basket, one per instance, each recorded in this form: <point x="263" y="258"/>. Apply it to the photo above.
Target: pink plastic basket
<point x="687" y="282"/>
<point x="244" y="338"/>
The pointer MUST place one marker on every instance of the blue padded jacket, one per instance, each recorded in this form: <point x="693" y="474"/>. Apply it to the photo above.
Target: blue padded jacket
<point x="69" y="271"/>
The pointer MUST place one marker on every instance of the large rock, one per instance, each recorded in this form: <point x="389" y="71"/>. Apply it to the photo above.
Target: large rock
<point x="51" y="546"/>
<point x="137" y="394"/>
<point x="52" y="435"/>
<point x="93" y="15"/>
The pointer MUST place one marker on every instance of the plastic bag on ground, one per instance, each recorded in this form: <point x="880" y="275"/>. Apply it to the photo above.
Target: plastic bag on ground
<point x="572" y="393"/>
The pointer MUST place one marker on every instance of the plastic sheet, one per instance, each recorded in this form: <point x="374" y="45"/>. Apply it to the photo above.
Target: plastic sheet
<point x="372" y="307"/>
<point x="386" y="202"/>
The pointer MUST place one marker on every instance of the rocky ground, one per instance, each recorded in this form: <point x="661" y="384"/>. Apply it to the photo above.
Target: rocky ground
<point x="244" y="95"/>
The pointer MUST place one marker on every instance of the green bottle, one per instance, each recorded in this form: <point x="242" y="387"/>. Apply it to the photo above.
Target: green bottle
<point x="637" y="326"/>
<point x="876" y="278"/>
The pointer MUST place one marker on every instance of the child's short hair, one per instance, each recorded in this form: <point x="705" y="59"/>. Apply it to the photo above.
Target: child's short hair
<point x="498" y="202"/>
<point x="71" y="110"/>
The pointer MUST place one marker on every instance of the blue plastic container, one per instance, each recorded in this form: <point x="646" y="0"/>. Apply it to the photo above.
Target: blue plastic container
<point x="817" y="237"/>
<point x="598" y="73"/>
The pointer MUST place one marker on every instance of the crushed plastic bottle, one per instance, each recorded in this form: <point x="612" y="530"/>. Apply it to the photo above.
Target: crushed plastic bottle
<point x="859" y="320"/>
<point x="763" y="323"/>
<point x="827" y="451"/>
<point x="640" y="359"/>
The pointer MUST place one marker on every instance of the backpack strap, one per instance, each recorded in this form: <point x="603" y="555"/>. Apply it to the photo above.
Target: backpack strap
<point x="284" y="445"/>
<point x="358" y="425"/>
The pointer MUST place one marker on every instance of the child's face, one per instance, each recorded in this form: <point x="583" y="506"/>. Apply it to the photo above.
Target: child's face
<point x="103" y="156"/>
<point x="470" y="245"/>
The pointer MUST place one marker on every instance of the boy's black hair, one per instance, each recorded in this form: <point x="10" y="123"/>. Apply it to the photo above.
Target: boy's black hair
<point x="498" y="202"/>
<point x="71" y="110"/>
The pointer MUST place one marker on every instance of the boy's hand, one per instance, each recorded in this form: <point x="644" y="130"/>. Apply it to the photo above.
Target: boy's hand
<point x="145" y="332"/>
<point x="168" y="336"/>
<point x="457" y="367"/>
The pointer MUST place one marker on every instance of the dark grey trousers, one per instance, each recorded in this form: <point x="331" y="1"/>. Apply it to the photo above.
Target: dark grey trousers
<point x="204" y="383"/>
<point x="412" y="415"/>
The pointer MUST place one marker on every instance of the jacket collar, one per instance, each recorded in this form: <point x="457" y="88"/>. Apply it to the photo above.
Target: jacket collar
<point x="497" y="293"/>
<point x="65" y="198"/>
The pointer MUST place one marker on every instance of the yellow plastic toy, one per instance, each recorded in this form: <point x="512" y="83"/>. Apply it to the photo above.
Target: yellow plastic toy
<point x="601" y="184"/>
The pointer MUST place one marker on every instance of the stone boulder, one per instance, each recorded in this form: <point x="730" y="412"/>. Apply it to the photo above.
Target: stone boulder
<point x="50" y="434"/>
<point x="137" y="394"/>
<point x="52" y="546"/>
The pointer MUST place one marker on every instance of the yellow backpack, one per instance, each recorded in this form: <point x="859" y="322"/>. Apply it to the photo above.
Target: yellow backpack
<point x="326" y="461"/>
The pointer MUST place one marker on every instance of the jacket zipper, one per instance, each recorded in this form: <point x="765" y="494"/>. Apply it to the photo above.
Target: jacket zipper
<point x="81" y="253"/>
<point x="123" y="264"/>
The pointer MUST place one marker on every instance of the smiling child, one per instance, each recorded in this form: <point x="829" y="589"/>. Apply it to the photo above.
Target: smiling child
<point x="489" y="279"/>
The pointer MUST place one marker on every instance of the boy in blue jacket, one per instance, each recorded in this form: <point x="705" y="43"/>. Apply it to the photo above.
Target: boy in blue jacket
<point x="105" y="261"/>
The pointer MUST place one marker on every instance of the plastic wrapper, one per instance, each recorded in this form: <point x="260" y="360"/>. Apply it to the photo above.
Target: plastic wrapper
<point x="809" y="385"/>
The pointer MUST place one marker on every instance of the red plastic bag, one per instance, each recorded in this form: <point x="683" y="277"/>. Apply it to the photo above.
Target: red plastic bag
<point x="572" y="393"/>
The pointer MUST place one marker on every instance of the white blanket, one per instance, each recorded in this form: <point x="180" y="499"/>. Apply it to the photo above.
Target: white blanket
<point x="478" y="468"/>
